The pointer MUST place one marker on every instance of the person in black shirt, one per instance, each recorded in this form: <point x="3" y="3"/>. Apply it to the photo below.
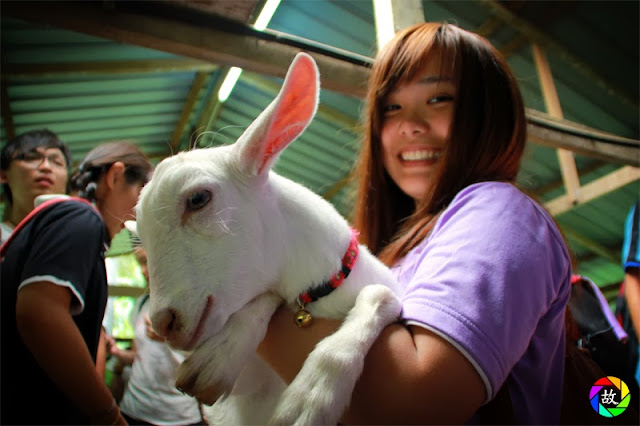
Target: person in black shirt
<point x="54" y="293"/>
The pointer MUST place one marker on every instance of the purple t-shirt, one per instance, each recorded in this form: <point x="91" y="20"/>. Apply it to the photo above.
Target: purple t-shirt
<point x="493" y="279"/>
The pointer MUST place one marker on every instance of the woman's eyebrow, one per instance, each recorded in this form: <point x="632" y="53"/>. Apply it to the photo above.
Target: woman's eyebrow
<point x="432" y="79"/>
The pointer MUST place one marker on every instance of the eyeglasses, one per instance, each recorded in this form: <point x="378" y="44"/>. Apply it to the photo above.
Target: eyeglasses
<point x="35" y="159"/>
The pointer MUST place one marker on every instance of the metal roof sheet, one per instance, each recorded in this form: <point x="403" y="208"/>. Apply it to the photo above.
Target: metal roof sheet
<point x="90" y="89"/>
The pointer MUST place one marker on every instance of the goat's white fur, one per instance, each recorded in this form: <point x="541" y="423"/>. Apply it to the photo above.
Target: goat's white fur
<point x="232" y="258"/>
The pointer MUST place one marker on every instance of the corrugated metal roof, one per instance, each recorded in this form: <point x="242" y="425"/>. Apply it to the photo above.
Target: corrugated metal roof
<point x="91" y="89"/>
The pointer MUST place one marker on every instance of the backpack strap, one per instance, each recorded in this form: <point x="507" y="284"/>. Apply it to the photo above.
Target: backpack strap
<point x="591" y="310"/>
<point x="34" y="213"/>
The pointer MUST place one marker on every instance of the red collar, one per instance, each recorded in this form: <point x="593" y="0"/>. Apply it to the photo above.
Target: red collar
<point x="314" y="293"/>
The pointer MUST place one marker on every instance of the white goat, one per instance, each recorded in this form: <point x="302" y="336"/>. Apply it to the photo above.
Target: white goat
<point x="228" y="240"/>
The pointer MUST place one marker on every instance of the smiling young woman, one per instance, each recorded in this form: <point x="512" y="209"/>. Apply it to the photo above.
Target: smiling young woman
<point x="485" y="270"/>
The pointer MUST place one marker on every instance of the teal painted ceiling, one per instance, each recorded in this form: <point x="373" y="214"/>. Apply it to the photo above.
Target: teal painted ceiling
<point x="90" y="85"/>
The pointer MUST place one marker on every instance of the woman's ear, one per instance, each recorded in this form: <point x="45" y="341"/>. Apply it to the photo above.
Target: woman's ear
<point x="4" y="176"/>
<point x="115" y="174"/>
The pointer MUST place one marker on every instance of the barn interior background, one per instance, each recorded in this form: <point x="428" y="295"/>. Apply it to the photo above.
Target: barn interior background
<point x="151" y="72"/>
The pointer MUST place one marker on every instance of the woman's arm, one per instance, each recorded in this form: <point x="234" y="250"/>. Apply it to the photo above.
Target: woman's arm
<point x="632" y="294"/>
<point x="101" y="356"/>
<point x="125" y="356"/>
<point x="411" y="375"/>
<point x="49" y="332"/>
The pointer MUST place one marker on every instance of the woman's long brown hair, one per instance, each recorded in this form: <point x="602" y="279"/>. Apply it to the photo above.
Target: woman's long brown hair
<point x="486" y="140"/>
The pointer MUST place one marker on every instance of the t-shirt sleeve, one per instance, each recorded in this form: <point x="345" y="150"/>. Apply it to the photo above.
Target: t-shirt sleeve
<point x="631" y="241"/>
<point x="489" y="273"/>
<point x="66" y="242"/>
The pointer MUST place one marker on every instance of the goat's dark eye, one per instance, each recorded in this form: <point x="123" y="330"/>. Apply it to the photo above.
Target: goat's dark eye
<point x="198" y="200"/>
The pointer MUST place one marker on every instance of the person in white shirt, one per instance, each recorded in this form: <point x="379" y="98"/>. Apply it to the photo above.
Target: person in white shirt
<point x="150" y="396"/>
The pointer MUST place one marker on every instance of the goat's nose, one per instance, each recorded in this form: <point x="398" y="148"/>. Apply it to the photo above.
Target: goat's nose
<point x="165" y="322"/>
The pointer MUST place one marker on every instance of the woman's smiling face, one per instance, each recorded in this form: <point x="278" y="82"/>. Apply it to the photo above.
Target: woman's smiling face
<point x="416" y="122"/>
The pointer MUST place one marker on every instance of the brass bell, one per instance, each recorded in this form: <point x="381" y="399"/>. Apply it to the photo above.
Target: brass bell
<point x="303" y="318"/>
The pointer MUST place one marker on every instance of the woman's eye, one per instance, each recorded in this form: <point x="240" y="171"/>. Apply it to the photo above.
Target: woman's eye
<point x="439" y="99"/>
<point x="390" y="108"/>
<point x="198" y="200"/>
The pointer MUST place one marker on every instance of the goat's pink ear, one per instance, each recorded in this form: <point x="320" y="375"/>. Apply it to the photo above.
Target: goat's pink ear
<point x="283" y="120"/>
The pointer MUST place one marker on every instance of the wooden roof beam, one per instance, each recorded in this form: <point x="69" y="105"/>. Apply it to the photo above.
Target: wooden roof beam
<point x="210" y="113"/>
<point x="552" y="102"/>
<point x="551" y="14"/>
<point x="558" y="133"/>
<point x="391" y="16"/>
<point x="187" y="109"/>
<point x="538" y="36"/>
<point x="195" y="40"/>
<point x="594" y="189"/>
<point x="72" y="69"/>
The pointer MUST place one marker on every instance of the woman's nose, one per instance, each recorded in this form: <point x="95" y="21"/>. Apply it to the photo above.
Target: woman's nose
<point x="414" y="124"/>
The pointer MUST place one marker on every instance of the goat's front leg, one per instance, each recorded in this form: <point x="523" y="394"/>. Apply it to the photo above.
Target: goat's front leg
<point x="212" y="369"/>
<point x="322" y="389"/>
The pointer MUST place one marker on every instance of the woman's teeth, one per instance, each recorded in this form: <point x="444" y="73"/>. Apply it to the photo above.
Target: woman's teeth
<point x="420" y="155"/>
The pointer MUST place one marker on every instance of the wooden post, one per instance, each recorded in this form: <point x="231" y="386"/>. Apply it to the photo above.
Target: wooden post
<point x="552" y="102"/>
<point x="393" y="15"/>
<point x="210" y="112"/>
<point x="187" y="109"/>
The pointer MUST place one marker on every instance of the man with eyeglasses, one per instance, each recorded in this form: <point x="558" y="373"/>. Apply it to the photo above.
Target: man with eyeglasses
<point x="32" y="164"/>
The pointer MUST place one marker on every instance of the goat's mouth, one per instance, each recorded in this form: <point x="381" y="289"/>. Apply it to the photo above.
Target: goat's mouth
<point x="197" y="332"/>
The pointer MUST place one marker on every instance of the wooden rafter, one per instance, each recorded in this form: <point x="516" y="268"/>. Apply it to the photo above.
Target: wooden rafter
<point x="74" y="69"/>
<point x="195" y="40"/>
<point x="210" y="112"/>
<point x="574" y="193"/>
<point x="187" y="109"/>
<point x="393" y="15"/>
<point x="494" y="23"/>
<point x="545" y="130"/>
<point x="534" y="34"/>
<point x="551" y="13"/>
<point x="555" y="184"/>
<point x="552" y="102"/>
<point x="599" y="187"/>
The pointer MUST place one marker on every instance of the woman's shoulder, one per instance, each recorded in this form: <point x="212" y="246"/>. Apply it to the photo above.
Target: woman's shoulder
<point x="492" y="191"/>
<point x="498" y="198"/>
<point x="499" y="210"/>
